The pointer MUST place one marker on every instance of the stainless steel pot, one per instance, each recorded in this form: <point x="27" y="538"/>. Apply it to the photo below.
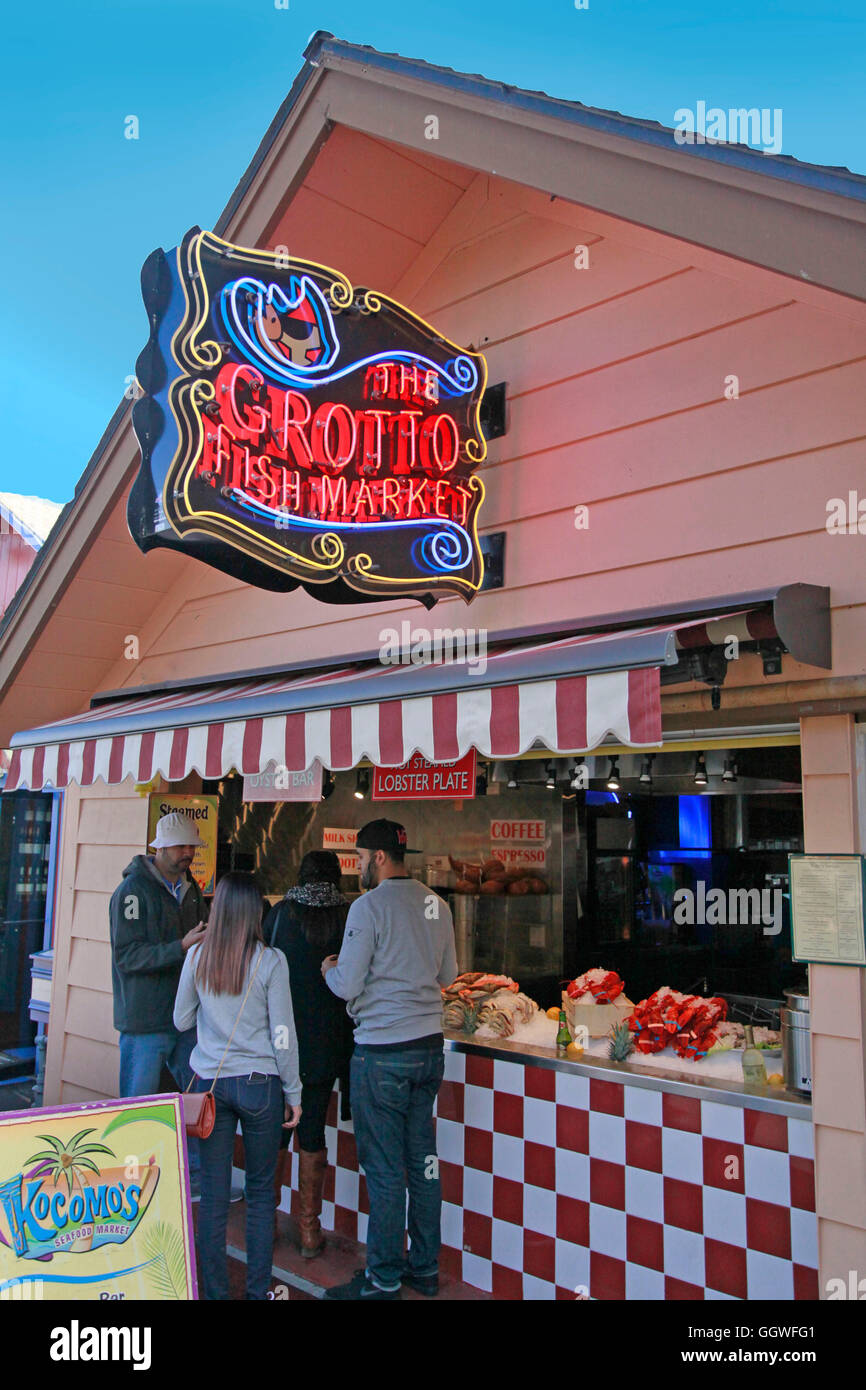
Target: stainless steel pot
<point x="798" y="998"/>
<point x="437" y="878"/>
<point x="797" y="1040"/>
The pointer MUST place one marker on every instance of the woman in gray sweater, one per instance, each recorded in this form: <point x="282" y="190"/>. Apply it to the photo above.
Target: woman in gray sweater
<point x="236" y="991"/>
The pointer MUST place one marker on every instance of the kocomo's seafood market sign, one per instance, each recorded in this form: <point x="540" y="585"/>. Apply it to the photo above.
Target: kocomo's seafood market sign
<point x="94" y="1202"/>
<point x="295" y="430"/>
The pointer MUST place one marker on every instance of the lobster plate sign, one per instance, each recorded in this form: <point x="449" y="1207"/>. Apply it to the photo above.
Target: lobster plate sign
<point x="296" y="430"/>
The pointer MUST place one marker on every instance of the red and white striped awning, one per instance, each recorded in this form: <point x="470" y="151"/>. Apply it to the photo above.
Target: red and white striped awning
<point x="347" y="716"/>
<point x="566" y="696"/>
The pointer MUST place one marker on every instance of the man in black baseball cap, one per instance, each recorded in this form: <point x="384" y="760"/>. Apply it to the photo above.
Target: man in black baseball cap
<point x="385" y="835"/>
<point x="397" y="953"/>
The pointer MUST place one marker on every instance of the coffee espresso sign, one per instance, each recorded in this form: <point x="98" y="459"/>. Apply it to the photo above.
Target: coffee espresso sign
<point x="295" y="430"/>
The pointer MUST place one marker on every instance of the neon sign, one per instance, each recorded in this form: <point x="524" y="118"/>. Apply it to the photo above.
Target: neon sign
<point x="295" y="430"/>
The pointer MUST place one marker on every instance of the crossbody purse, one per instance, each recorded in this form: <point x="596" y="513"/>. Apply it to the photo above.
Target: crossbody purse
<point x="199" y="1107"/>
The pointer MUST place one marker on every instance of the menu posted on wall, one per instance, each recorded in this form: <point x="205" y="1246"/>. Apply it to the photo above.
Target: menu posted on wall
<point x="827" y="896"/>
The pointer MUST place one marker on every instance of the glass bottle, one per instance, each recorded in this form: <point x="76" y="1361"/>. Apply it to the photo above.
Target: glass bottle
<point x="754" y="1071"/>
<point x="563" y="1037"/>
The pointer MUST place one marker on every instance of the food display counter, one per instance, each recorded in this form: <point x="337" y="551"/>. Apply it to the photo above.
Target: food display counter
<point x="660" y="1176"/>
<point x="607" y="1180"/>
<point x="614" y="1180"/>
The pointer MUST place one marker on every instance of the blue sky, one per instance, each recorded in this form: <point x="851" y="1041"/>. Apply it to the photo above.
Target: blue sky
<point x="84" y="206"/>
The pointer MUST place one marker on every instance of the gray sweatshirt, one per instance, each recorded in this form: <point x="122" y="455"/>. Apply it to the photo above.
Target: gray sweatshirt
<point x="397" y="953"/>
<point x="264" y="1040"/>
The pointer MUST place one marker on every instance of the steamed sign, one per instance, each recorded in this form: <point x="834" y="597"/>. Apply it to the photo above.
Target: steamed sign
<point x="298" y="430"/>
<point x="94" y="1202"/>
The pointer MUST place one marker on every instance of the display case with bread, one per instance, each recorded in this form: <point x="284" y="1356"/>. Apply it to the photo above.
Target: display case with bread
<point x="492" y="878"/>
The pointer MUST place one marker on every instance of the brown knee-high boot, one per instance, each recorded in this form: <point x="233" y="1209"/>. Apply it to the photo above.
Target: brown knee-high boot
<point x="311" y="1181"/>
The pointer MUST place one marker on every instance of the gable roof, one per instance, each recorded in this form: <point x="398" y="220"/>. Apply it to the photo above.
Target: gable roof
<point x="31" y="517"/>
<point x="324" y="48"/>
<point x="796" y="219"/>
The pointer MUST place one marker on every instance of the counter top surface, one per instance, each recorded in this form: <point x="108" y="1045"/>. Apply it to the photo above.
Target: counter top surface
<point x="776" y="1099"/>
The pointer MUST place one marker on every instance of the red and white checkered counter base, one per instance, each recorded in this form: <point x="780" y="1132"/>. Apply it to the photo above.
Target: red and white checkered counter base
<point x="556" y="1183"/>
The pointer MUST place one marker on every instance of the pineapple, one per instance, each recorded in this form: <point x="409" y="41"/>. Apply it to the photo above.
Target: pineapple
<point x="620" y="1044"/>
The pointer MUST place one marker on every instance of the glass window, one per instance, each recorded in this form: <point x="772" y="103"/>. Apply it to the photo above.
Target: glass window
<point x="508" y="925"/>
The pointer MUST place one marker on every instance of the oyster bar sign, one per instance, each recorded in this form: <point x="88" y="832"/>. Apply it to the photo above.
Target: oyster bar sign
<point x="296" y="430"/>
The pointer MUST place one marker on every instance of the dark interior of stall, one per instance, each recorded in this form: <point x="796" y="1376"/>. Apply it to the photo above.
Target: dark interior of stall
<point x="517" y="933"/>
<point x="622" y="878"/>
<point x="686" y="883"/>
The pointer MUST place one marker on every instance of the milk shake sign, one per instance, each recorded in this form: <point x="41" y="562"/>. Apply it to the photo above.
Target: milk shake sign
<point x="94" y="1202"/>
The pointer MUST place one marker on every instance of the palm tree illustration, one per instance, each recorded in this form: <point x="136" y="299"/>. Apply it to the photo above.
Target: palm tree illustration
<point x="70" y="1161"/>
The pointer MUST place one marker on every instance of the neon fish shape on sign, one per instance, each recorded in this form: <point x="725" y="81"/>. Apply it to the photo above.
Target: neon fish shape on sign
<point x="291" y="335"/>
<point x="297" y="430"/>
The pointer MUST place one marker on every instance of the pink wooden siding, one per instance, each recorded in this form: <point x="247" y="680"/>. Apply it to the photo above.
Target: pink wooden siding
<point x="834" y="822"/>
<point x="616" y="379"/>
<point x="616" y="383"/>
<point x="105" y="827"/>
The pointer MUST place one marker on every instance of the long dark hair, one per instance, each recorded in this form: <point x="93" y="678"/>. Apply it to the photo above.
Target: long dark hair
<point x="234" y="930"/>
<point x="320" y="924"/>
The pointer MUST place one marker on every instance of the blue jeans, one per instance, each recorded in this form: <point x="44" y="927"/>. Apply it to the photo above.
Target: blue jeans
<point x="257" y="1101"/>
<point x="142" y="1056"/>
<point x="393" y="1094"/>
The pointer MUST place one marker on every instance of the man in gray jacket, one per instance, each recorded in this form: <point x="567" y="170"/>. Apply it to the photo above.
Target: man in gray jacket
<point x="397" y="953"/>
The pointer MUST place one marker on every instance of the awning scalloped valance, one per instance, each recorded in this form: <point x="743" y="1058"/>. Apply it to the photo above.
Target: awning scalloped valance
<point x="566" y="694"/>
<point x="572" y="714"/>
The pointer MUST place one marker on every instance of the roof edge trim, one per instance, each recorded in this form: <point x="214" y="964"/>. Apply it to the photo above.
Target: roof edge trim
<point x="786" y="168"/>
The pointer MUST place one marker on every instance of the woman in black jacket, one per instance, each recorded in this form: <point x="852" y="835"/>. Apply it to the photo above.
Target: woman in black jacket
<point x="307" y="926"/>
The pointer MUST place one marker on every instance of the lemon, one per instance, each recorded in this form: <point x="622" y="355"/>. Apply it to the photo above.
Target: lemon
<point x="777" y="1079"/>
<point x="574" y="1052"/>
<point x="554" y="1014"/>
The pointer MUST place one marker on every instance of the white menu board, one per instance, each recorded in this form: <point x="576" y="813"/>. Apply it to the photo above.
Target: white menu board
<point x="827" y="908"/>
